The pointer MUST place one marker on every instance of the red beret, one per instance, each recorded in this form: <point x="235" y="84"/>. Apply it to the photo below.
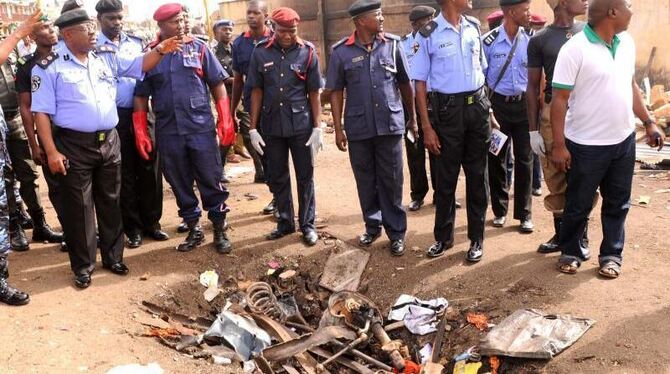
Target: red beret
<point x="537" y="19"/>
<point x="286" y="17"/>
<point x="167" y="11"/>
<point x="498" y="14"/>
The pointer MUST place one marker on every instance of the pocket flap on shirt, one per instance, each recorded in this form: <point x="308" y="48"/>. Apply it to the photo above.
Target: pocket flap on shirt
<point x="355" y="111"/>
<point x="395" y="107"/>
<point x="198" y="101"/>
<point x="298" y="107"/>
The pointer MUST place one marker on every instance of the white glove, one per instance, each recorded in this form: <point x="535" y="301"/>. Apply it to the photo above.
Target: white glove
<point x="537" y="144"/>
<point x="256" y="141"/>
<point x="315" y="141"/>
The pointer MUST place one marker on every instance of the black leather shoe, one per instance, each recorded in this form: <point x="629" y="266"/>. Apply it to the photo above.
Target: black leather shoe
<point x="182" y="228"/>
<point x="221" y="242"/>
<point x="119" y="268"/>
<point x="310" y="238"/>
<point x="552" y="245"/>
<point x="276" y="234"/>
<point x="475" y="252"/>
<point x="415" y="205"/>
<point x="458" y="205"/>
<point x="224" y="179"/>
<point x="195" y="238"/>
<point x="134" y="240"/>
<point x="17" y="237"/>
<point x="270" y="208"/>
<point x="25" y="220"/>
<point x="397" y="247"/>
<point x="438" y="249"/>
<point x="11" y="296"/>
<point x="366" y="239"/>
<point x="82" y="280"/>
<point x="157" y="235"/>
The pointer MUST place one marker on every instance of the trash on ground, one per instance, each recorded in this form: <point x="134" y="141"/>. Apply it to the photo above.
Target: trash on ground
<point x="463" y="367"/>
<point x="152" y="368"/>
<point x="240" y="332"/>
<point x="420" y="316"/>
<point x="210" y="279"/>
<point x="425" y="353"/>
<point x="480" y="321"/>
<point x="343" y="270"/>
<point x="530" y="333"/>
<point x="644" y="200"/>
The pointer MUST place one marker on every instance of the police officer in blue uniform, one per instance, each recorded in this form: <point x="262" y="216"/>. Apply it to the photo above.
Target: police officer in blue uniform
<point x="371" y="66"/>
<point x="450" y="58"/>
<point x="285" y="80"/>
<point x="141" y="180"/>
<point x="74" y="95"/>
<point x="8" y="294"/>
<point x="419" y="16"/>
<point x="505" y="48"/>
<point x="243" y="46"/>
<point x="223" y="33"/>
<point x="186" y="133"/>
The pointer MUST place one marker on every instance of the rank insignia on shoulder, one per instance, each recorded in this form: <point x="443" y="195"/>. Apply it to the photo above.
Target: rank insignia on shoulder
<point x="45" y="62"/>
<point x="491" y="37"/>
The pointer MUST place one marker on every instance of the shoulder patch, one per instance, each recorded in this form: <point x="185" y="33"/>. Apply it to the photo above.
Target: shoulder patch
<point x="45" y="62"/>
<point x="104" y="48"/>
<point x="263" y="41"/>
<point x="340" y="42"/>
<point x="35" y="83"/>
<point x="427" y="30"/>
<point x="473" y="20"/>
<point x="391" y="36"/>
<point x="491" y="36"/>
<point x="405" y="37"/>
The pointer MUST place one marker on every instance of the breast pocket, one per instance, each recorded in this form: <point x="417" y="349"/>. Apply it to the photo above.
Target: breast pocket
<point x="200" y="109"/>
<point x="446" y="58"/>
<point x="354" y="120"/>
<point x="396" y="116"/>
<point x="300" y="118"/>
<point x="269" y="72"/>
<point x="74" y="86"/>
<point x="352" y="72"/>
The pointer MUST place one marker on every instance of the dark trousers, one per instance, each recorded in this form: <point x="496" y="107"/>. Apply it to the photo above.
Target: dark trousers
<point x="277" y="150"/>
<point x="244" y="122"/>
<point x="513" y="121"/>
<point x="609" y="168"/>
<point x="416" y="162"/>
<point x="141" y="182"/>
<point x="24" y="167"/>
<point x="537" y="172"/>
<point x="464" y="134"/>
<point x="91" y="190"/>
<point x="377" y="166"/>
<point x="189" y="159"/>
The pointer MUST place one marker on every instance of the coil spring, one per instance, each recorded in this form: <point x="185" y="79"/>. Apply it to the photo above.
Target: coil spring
<point x="262" y="300"/>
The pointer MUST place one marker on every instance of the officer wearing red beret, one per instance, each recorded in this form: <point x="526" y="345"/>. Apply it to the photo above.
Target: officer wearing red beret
<point x="186" y="130"/>
<point x="285" y="80"/>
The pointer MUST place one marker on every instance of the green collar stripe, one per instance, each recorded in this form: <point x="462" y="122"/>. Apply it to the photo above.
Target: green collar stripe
<point x="562" y="86"/>
<point x="596" y="39"/>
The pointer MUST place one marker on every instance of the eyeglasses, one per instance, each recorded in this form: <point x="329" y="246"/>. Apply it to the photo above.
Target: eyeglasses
<point x="87" y="27"/>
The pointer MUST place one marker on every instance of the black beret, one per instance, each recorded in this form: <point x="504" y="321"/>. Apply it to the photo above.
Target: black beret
<point x="106" y="6"/>
<point x="421" y="11"/>
<point x="71" y="4"/>
<point x="512" y="2"/>
<point x="222" y="23"/>
<point x="72" y="17"/>
<point x="364" y="6"/>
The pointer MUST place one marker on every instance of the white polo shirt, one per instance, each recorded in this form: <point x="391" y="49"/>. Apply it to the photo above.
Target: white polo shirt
<point x="600" y="76"/>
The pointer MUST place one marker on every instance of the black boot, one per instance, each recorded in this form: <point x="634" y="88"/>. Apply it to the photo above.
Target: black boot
<point x="221" y="242"/>
<point x="24" y="218"/>
<point x="552" y="244"/>
<point x="195" y="238"/>
<point x="42" y="231"/>
<point x="10" y="295"/>
<point x="17" y="237"/>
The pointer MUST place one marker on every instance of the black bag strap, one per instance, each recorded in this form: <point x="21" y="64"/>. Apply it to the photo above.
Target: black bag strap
<point x="510" y="56"/>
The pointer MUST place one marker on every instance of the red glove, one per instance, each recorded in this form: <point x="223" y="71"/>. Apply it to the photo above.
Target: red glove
<point x="225" y="127"/>
<point x="142" y="138"/>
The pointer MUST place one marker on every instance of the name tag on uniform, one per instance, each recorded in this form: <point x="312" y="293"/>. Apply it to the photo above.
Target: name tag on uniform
<point x="269" y="64"/>
<point x="357" y="59"/>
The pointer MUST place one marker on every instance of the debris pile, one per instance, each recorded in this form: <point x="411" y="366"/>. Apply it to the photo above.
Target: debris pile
<point x="289" y="321"/>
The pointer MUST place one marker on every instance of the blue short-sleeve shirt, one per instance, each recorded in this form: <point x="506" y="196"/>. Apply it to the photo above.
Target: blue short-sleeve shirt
<point x="243" y="47"/>
<point x="497" y="46"/>
<point x="124" y="59"/>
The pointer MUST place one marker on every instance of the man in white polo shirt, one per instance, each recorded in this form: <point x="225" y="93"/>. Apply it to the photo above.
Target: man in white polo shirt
<point x="592" y="116"/>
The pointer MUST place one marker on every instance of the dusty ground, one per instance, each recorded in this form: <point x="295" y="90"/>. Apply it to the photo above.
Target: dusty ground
<point x="68" y="330"/>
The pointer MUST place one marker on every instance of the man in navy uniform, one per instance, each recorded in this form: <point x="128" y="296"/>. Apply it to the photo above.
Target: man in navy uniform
<point x="223" y="33"/>
<point x="285" y="80"/>
<point x="186" y="133"/>
<point x="371" y="66"/>
<point x="450" y="58"/>
<point x="141" y="181"/>
<point x="505" y="49"/>
<point x="243" y="46"/>
<point x="74" y="95"/>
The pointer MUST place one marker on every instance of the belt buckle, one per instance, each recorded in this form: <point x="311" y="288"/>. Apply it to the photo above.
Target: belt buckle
<point x="470" y="100"/>
<point x="101" y="137"/>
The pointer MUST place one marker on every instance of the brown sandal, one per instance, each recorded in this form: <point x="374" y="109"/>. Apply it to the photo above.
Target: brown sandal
<point x="610" y="270"/>
<point x="568" y="268"/>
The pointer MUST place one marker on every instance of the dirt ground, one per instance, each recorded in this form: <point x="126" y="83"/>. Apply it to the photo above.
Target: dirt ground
<point x="66" y="330"/>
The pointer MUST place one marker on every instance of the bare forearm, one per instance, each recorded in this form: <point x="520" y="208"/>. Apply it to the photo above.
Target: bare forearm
<point x="141" y="104"/>
<point x="7" y="46"/>
<point x="44" y="132"/>
<point x="337" y="103"/>
<point x="315" y="105"/>
<point x="533" y="106"/>
<point x="238" y="87"/>
<point x="256" y="104"/>
<point x="219" y="91"/>
<point x="559" y="108"/>
<point x="639" y="107"/>
<point x="422" y="103"/>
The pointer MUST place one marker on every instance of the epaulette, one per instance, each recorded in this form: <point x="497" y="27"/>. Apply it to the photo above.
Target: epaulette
<point x="405" y="37"/>
<point x="104" y="48"/>
<point x="427" y="30"/>
<point x="474" y="20"/>
<point x="491" y="36"/>
<point x="392" y="36"/>
<point x="263" y="41"/>
<point x="45" y="62"/>
<point x="309" y="44"/>
<point x="339" y="43"/>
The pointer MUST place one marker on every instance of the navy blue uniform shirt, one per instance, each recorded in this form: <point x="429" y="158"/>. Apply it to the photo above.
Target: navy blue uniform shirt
<point x="243" y="47"/>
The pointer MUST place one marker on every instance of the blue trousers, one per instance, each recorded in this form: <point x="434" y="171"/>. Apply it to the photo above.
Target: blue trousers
<point x="610" y="168"/>
<point x="276" y="153"/>
<point x="190" y="159"/>
<point x="378" y="169"/>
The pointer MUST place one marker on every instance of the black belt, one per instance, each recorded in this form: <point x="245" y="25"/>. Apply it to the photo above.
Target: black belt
<point x="459" y="99"/>
<point x="511" y="99"/>
<point x="97" y="137"/>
